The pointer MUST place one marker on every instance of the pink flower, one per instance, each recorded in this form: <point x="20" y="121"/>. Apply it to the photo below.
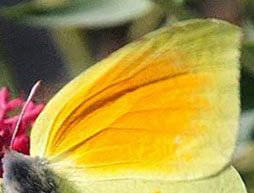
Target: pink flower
<point x="8" y="121"/>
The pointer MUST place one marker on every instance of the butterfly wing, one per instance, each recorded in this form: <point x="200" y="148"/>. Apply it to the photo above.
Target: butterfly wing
<point x="227" y="181"/>
<point x="163" y="107"/>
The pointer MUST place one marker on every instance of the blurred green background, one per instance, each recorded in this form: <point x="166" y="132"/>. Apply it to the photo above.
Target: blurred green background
<point x="54" y="40"/>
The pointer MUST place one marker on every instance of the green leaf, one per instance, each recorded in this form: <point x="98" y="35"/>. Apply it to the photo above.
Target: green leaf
<point x="73" y="46"/>
<point x="80" y="13"/>
<point x="168" y="4"/>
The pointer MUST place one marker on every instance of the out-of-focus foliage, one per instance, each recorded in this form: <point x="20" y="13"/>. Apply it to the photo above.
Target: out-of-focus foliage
<point x="80" y="13"/>
<point x="6" y="77"/>
<point x="248" y="45"/>
<point x="249" y="9"/>
<point x="247" y="55"/>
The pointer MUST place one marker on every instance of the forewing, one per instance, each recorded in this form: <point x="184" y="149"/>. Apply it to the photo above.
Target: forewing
<point x="163" y="107"/>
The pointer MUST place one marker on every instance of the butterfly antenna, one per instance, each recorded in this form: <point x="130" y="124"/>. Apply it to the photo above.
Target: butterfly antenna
<point x="31" y="94"/>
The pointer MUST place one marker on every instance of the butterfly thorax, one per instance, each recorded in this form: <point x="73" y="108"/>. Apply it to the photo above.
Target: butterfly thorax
<point x="25" y="174"/>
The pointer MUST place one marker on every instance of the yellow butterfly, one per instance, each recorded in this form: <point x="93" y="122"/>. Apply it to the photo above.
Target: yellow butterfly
<point x="165" y="108"/>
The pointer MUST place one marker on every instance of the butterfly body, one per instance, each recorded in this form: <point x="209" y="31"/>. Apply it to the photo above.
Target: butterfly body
<point x="25" y="174"/>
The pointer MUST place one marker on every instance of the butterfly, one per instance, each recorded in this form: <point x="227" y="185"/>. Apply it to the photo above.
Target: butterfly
<point x="163" y="109"/>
